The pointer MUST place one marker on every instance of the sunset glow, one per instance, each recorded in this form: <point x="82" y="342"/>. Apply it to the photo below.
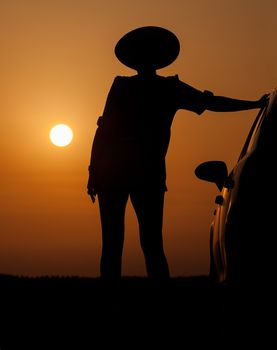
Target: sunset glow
<point x="57" y="65"/>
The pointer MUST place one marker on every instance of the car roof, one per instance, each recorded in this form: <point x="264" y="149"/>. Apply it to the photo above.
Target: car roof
<point x="272" y="100"/>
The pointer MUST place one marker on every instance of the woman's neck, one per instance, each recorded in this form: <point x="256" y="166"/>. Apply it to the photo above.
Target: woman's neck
<point x="146" y="72"/>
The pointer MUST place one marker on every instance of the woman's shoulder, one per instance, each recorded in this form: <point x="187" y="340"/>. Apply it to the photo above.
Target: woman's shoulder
<point x="134" y="80"/>
<point x="125" y="77"/>
<point x="123" y="80"/>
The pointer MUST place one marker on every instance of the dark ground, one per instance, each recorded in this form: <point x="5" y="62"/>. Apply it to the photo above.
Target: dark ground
<point x="85" y="313"/>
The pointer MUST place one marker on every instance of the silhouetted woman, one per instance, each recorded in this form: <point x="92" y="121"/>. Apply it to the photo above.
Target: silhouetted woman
<point x="131" y="142"/>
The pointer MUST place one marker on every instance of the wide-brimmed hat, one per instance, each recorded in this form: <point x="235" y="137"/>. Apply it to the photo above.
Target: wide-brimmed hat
<point x="150" y="46"/>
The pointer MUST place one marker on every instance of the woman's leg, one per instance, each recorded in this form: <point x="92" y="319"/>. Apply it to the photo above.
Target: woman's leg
<point x="149" y="210"/>
<point x="112" y="206"/>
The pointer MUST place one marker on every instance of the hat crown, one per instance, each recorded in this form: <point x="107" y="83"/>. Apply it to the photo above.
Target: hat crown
<point x="150" y="46"/>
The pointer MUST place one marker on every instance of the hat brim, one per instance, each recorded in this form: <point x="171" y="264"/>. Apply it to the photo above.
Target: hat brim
<point x="150" y="46"/>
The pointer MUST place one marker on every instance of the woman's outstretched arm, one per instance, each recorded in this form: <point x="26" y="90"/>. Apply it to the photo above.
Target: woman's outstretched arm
<point x="226" y="104"/>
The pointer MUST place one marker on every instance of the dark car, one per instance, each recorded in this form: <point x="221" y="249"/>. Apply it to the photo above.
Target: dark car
<point x="244" y="226"/>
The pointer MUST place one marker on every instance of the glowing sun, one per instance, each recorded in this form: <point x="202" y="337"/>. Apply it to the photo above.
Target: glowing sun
<point x="61" y="135"/>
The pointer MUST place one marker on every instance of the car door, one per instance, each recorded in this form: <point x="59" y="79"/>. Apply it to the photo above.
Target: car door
<point x="233" y="207"/>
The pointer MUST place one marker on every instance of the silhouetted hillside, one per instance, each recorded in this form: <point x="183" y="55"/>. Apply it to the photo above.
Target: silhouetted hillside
<point x="59" y="312"/>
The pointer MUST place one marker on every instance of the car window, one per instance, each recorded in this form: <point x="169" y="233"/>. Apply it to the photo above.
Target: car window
<point x="253" y="133"/>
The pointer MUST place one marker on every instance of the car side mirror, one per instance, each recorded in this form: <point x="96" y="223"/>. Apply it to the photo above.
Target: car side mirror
<point x="212" y="171"/>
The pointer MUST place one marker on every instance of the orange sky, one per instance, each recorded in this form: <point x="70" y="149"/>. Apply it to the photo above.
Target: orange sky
<point x="57" y="65"/>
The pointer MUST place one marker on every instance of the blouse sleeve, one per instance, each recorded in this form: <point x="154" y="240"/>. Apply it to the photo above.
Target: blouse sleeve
<point x="191" y="98"/>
